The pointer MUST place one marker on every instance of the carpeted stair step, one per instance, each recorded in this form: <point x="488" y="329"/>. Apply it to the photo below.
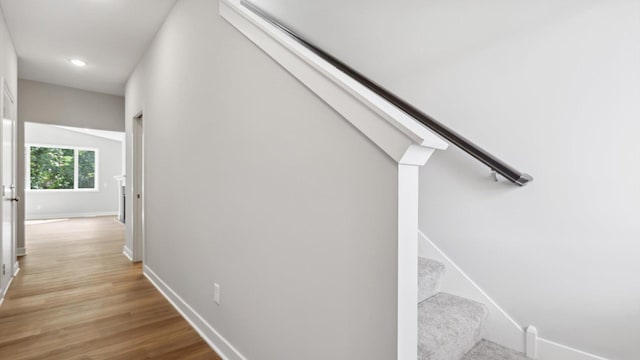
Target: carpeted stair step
<point x="429" y="274"/>
<point x="449" y="326"/>
<point x="487" y="350"/>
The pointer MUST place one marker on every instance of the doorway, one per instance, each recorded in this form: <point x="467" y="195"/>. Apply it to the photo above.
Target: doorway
<point x="9" y="197"/>
<point x="71" y="172"/>
<point x="138" y="189"/>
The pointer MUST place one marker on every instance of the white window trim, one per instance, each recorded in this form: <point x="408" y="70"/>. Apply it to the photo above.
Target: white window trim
<point x="75" y="149"/>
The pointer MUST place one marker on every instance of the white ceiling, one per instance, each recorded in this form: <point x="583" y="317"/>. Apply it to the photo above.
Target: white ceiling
<point x="111" y="35"/>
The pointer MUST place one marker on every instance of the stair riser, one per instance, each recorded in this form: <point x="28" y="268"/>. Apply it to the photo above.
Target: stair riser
<point x="449" y="326"/>
<point x="430" y="273"/>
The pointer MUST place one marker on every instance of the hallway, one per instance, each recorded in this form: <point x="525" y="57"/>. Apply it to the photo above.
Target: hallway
<point x="78" y="297"/>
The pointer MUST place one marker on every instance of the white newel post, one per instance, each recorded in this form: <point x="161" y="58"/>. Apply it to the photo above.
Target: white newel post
<point x="407" y="262"/>
<point x="408" y="185"/>
<point x="403" y="139"/>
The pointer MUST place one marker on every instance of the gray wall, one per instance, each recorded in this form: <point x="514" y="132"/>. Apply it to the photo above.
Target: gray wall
<point x="253" y="182"/>
<point x="59" y="105"/>
<point x="553" y="88"/>
<point x="52" y="204"/>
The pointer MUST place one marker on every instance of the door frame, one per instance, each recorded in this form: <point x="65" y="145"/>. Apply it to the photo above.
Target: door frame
<point x="14" y="264"/>
<point x="137" y="190"/>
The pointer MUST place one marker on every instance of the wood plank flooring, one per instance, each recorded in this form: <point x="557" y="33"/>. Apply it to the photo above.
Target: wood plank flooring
<point x="78" y="297"/>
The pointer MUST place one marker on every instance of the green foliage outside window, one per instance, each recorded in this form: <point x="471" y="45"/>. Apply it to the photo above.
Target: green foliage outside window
<point x="53" y="168"/>
<point x="86" y="169"/>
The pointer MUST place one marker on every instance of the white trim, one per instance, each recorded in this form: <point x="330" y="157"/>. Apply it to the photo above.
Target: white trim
<point x="68" y="147"/>
<point x="137" y="187"/>
<point x="387" y="126"/>
<point x="531" y="343"/>
<point x="549" y="350"/>
<point x="62" y="190"/>
<point x="11" y="117"/>
<point x="5" y="290"/>
<point x="17" y="269"/>
<point x="75" y="168"/>
<point x="21" y="251"/>
<point x="128" y="253"/>
<point x="70" y="215"/>
<point x="218" y="343"/>
<point x="499" y="327"/>
<point x="416" y="155"/>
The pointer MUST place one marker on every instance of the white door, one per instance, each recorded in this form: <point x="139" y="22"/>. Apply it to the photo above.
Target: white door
<point x="9" y="198"/>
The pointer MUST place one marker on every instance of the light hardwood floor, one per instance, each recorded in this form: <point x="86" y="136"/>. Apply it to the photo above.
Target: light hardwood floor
<point x="78" y="297"/>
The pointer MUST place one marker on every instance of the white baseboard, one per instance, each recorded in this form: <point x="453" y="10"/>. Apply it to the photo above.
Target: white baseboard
<point x="70" y="215"/>
<point x="21" y="251"/>
<point x="549" y="350"/>
<point x="218" y="343"/>
<point x="4" y="291"/>
<point x="128" y="253"/>
<point x="500" y="327"/>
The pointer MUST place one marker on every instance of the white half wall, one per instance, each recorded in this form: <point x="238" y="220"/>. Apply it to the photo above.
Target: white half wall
<point x="45" y="204"/>
<point x="269" y="193"/>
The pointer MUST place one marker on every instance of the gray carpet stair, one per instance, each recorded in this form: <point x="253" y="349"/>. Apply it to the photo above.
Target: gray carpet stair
<point x="487" y="350"/>
<point x="449" y="326"/>
<point x="429" y="274"/>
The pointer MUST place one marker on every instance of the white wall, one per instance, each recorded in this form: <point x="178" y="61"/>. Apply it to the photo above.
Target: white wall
<point x="255" y="183"/>
<point x="59" y="105"/>
<point x="551" y="87"/>
<point x="8" y="58"/>
<point x="561" y="254"/>
<point x="55" y="204"/>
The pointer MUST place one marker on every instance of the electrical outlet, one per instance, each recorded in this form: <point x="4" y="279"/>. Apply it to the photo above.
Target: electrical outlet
<point x="216" y="293"/>
<point x="4" y="269"/>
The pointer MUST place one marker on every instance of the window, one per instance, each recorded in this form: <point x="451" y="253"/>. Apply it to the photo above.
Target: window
<point x="61" y="168"/>
<point x="86" y="169"/>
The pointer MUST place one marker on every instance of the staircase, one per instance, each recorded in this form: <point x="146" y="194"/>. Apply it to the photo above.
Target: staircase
<point x="450" y="327"/>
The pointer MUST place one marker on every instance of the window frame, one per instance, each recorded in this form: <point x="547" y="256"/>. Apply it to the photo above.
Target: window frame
<point x="76" y="150"/>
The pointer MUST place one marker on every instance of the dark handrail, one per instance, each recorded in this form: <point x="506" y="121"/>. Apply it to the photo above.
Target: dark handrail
<point x="460" y="141"/>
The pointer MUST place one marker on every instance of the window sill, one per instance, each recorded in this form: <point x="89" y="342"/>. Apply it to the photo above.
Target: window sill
<point x="62" y="190"/>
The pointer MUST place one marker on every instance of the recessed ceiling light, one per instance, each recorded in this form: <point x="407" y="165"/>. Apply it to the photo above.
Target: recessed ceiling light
<point x="78" y="62"/>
